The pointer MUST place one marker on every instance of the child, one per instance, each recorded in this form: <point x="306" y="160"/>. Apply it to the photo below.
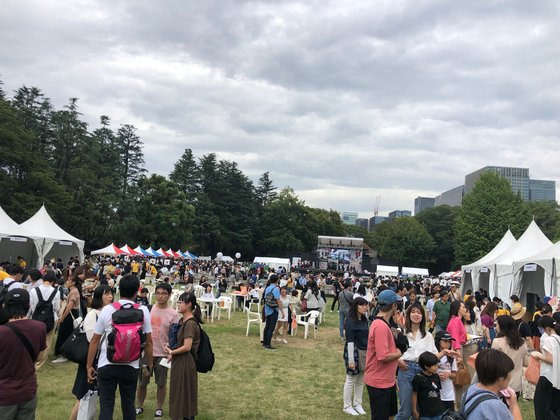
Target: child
<point x="447" y="369"/>
<point x="142" y="299"/>
<point x="426" y="402"/>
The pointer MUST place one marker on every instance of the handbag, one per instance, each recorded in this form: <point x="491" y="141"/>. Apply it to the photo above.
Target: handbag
<point x="76" y="347"/>
<point x="533" y="372"/>
<point x="88" y="406"/>
<point x="462" y="377"/>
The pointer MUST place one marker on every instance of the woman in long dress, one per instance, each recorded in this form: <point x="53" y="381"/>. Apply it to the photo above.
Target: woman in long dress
<point x="183" y="390"/>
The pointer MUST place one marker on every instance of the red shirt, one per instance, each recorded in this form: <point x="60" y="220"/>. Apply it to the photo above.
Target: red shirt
<point x="18" y="382"/>
<point x="380" y="374"/>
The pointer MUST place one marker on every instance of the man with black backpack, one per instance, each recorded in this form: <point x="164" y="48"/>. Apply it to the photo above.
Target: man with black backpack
<point x="44" y="306"/>
<point x="126" y="330"/>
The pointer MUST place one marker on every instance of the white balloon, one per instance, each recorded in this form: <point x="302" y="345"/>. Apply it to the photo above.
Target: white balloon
<point x="219" y="255"/>
<point x="237" y="255"/>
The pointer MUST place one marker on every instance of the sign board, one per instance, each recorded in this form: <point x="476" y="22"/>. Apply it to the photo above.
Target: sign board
<point x="152" y="260"/>
<point x="166" y="262"/>
<point x="66" y="243"/>
<point x="530" y="267"/>
<point x="484" y="270"/>
<point x="467" y="270"/>
<point x="126" y="258"/>
<point x="17" y="239"/>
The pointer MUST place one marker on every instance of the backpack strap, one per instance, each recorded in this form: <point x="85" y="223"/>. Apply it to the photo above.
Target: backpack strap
<point x="480" y="397"/>
<point x="39" y="294"/>
<point x="116" y="305"/>
<point x="24" y="340"/>
<point x="51" y="297"/>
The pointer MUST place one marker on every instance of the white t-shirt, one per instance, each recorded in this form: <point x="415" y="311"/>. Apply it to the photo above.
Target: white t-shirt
<point x="45" y="293"/>
<point x="12" y="284"/>
<point x="548" y="343"/>
<point x="447" y="390"/>
<point x="104" y="325"/>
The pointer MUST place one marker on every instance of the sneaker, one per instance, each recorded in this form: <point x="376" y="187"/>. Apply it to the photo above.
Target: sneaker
<point x="139" y="410"/>
<point x="270" y="348"/>
<point x="359" y="409"/>
<point x="284" y="341"/>
<point x="158" y="414"/>
<point x="278" y="340"/>
<point x="61" y="359"/>
<point x="351" y="411"/>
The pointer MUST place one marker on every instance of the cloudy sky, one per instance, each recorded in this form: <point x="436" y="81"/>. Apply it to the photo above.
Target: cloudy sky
<point x="341" y="100"/>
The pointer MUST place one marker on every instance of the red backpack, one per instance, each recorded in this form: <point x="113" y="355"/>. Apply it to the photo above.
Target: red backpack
<point x="126" y="340"/>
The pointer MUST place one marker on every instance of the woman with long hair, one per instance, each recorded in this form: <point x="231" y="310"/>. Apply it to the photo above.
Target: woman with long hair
<point x="102" y="296"/>
<point x="509" y="341"/>
<point x="457" y="329"/>
<point x="72" y="311"/>
<point x="356" y="329"/>
<point x="419" y="341"/>
<point x="183" y="389"/>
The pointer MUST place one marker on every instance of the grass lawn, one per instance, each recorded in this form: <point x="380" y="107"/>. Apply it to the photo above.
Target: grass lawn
<point x="302" y="379"/>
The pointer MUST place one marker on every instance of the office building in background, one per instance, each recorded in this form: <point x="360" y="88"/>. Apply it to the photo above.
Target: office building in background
<point x="348" y="218"/>
<point x="452" y="197"/>
<point x="421" y="203"/>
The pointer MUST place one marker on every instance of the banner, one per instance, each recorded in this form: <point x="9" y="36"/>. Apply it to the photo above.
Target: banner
<point x="17" y="239"/>
<point x="530" y="267"/>
<point x="484" y="270"/>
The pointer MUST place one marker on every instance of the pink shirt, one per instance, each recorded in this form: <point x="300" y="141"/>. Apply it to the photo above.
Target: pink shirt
<point x="457" y="330"/>
<point x="381" y="342"/>
<point x="161" y="320"/>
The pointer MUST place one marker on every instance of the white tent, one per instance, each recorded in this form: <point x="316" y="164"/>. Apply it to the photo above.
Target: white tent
<point x="53" y="242"/>
<point x="17" y="241"/>
<point x="387" y="270"/>
<point x="537" y="275"/>
<point x="415" y="271"/>
<point x="226" y="258"/>
<point x="109" y="250"/>
<point x="472" y="272"/>
<point x="273" y="262"/>
<point x="501" y="268"/>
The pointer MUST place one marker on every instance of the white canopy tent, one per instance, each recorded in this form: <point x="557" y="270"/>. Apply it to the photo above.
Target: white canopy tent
<point x="387" y="270"/>
<point x="537" y="275"/>
<point x="17" y="241"/>
<point x="501" y="268"/>
<point x="53" y="241"/>
<point x="415" y="271"/>
<point x="226" y="258"/>
<point x="273" y="262"/>
<point x="473" y="272"/>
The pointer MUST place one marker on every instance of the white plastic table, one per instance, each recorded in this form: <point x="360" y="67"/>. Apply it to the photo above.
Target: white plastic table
<point x="214" y="302"/>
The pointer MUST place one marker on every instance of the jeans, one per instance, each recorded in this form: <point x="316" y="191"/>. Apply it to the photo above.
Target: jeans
<point x="334" y="302"/>
<point x="23" y="411"/>
<point x="269" y="327"/>
<point x="341" y="319"/>
<point x="353" y="383"/>
<point x="404" y="382"/>
<point x="108" y="377"/>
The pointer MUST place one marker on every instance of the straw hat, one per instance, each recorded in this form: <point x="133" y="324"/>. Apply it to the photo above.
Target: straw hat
<point x="517" y="311"/>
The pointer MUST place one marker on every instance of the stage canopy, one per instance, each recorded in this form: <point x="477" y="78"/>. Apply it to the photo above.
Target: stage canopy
<point x="54" y="241"/>
<point x="340" y="242"/>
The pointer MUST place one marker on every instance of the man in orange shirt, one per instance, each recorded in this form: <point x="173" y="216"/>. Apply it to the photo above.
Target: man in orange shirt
<point x="382" y="360"/>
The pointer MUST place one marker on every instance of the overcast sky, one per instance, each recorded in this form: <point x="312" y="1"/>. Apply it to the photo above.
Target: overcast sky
<point x="341" y="100"/>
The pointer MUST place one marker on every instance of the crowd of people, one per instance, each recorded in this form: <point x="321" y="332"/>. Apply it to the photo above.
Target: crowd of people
<point x="420" y="347"/>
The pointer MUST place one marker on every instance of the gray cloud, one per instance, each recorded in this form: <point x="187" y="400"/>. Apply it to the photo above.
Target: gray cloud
<point x="340" y="100"/>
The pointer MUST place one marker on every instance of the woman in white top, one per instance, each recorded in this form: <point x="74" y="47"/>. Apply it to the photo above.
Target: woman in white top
<point x="283" y="316"/>
<point x="102" y="295"/>
<point x="547" y="392"/>
<point x="419" y="341"/>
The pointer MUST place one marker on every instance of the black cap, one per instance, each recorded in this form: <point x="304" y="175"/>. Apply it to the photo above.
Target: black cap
<point x="444" y="335"/>
<point x="17" y="297"/>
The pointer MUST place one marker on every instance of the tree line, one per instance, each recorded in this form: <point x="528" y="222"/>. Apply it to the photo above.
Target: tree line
<point x="95" y="185"/>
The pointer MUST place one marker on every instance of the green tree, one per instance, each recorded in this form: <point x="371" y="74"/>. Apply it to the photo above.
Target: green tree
<point x="486" y="214"/>
<point x="131" y="156"/>
<point x="405" y="240"/>
<point x="440" y="221"/>
<point x="266" y="191"/>
<point x="185" y="175"/>
<point x="547" y="216"/>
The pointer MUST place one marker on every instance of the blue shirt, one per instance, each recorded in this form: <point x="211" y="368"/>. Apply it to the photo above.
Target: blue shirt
<point x="493" y="409"/>
<point x="276" y="293"/>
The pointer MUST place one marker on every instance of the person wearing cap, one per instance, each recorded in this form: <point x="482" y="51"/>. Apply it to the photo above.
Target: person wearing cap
<point x="447" y="369"/>
<point x="382" y="360"/>
<point x="22" y="342"/>
<point x="517" y="313"/>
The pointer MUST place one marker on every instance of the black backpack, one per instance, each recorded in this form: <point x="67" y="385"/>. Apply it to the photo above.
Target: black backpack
<point x="44" y="311"/>
<point x="464" y="415"/>
<point x="204" y="358"/>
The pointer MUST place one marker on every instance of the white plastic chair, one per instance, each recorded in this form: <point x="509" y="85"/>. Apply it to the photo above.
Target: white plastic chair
<point x="306" y="320"/>
<point x="226" y="307"/>
<point x="255" y="318"/>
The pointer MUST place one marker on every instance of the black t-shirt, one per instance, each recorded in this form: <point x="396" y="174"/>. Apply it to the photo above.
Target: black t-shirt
<point x="427" y="389"/>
